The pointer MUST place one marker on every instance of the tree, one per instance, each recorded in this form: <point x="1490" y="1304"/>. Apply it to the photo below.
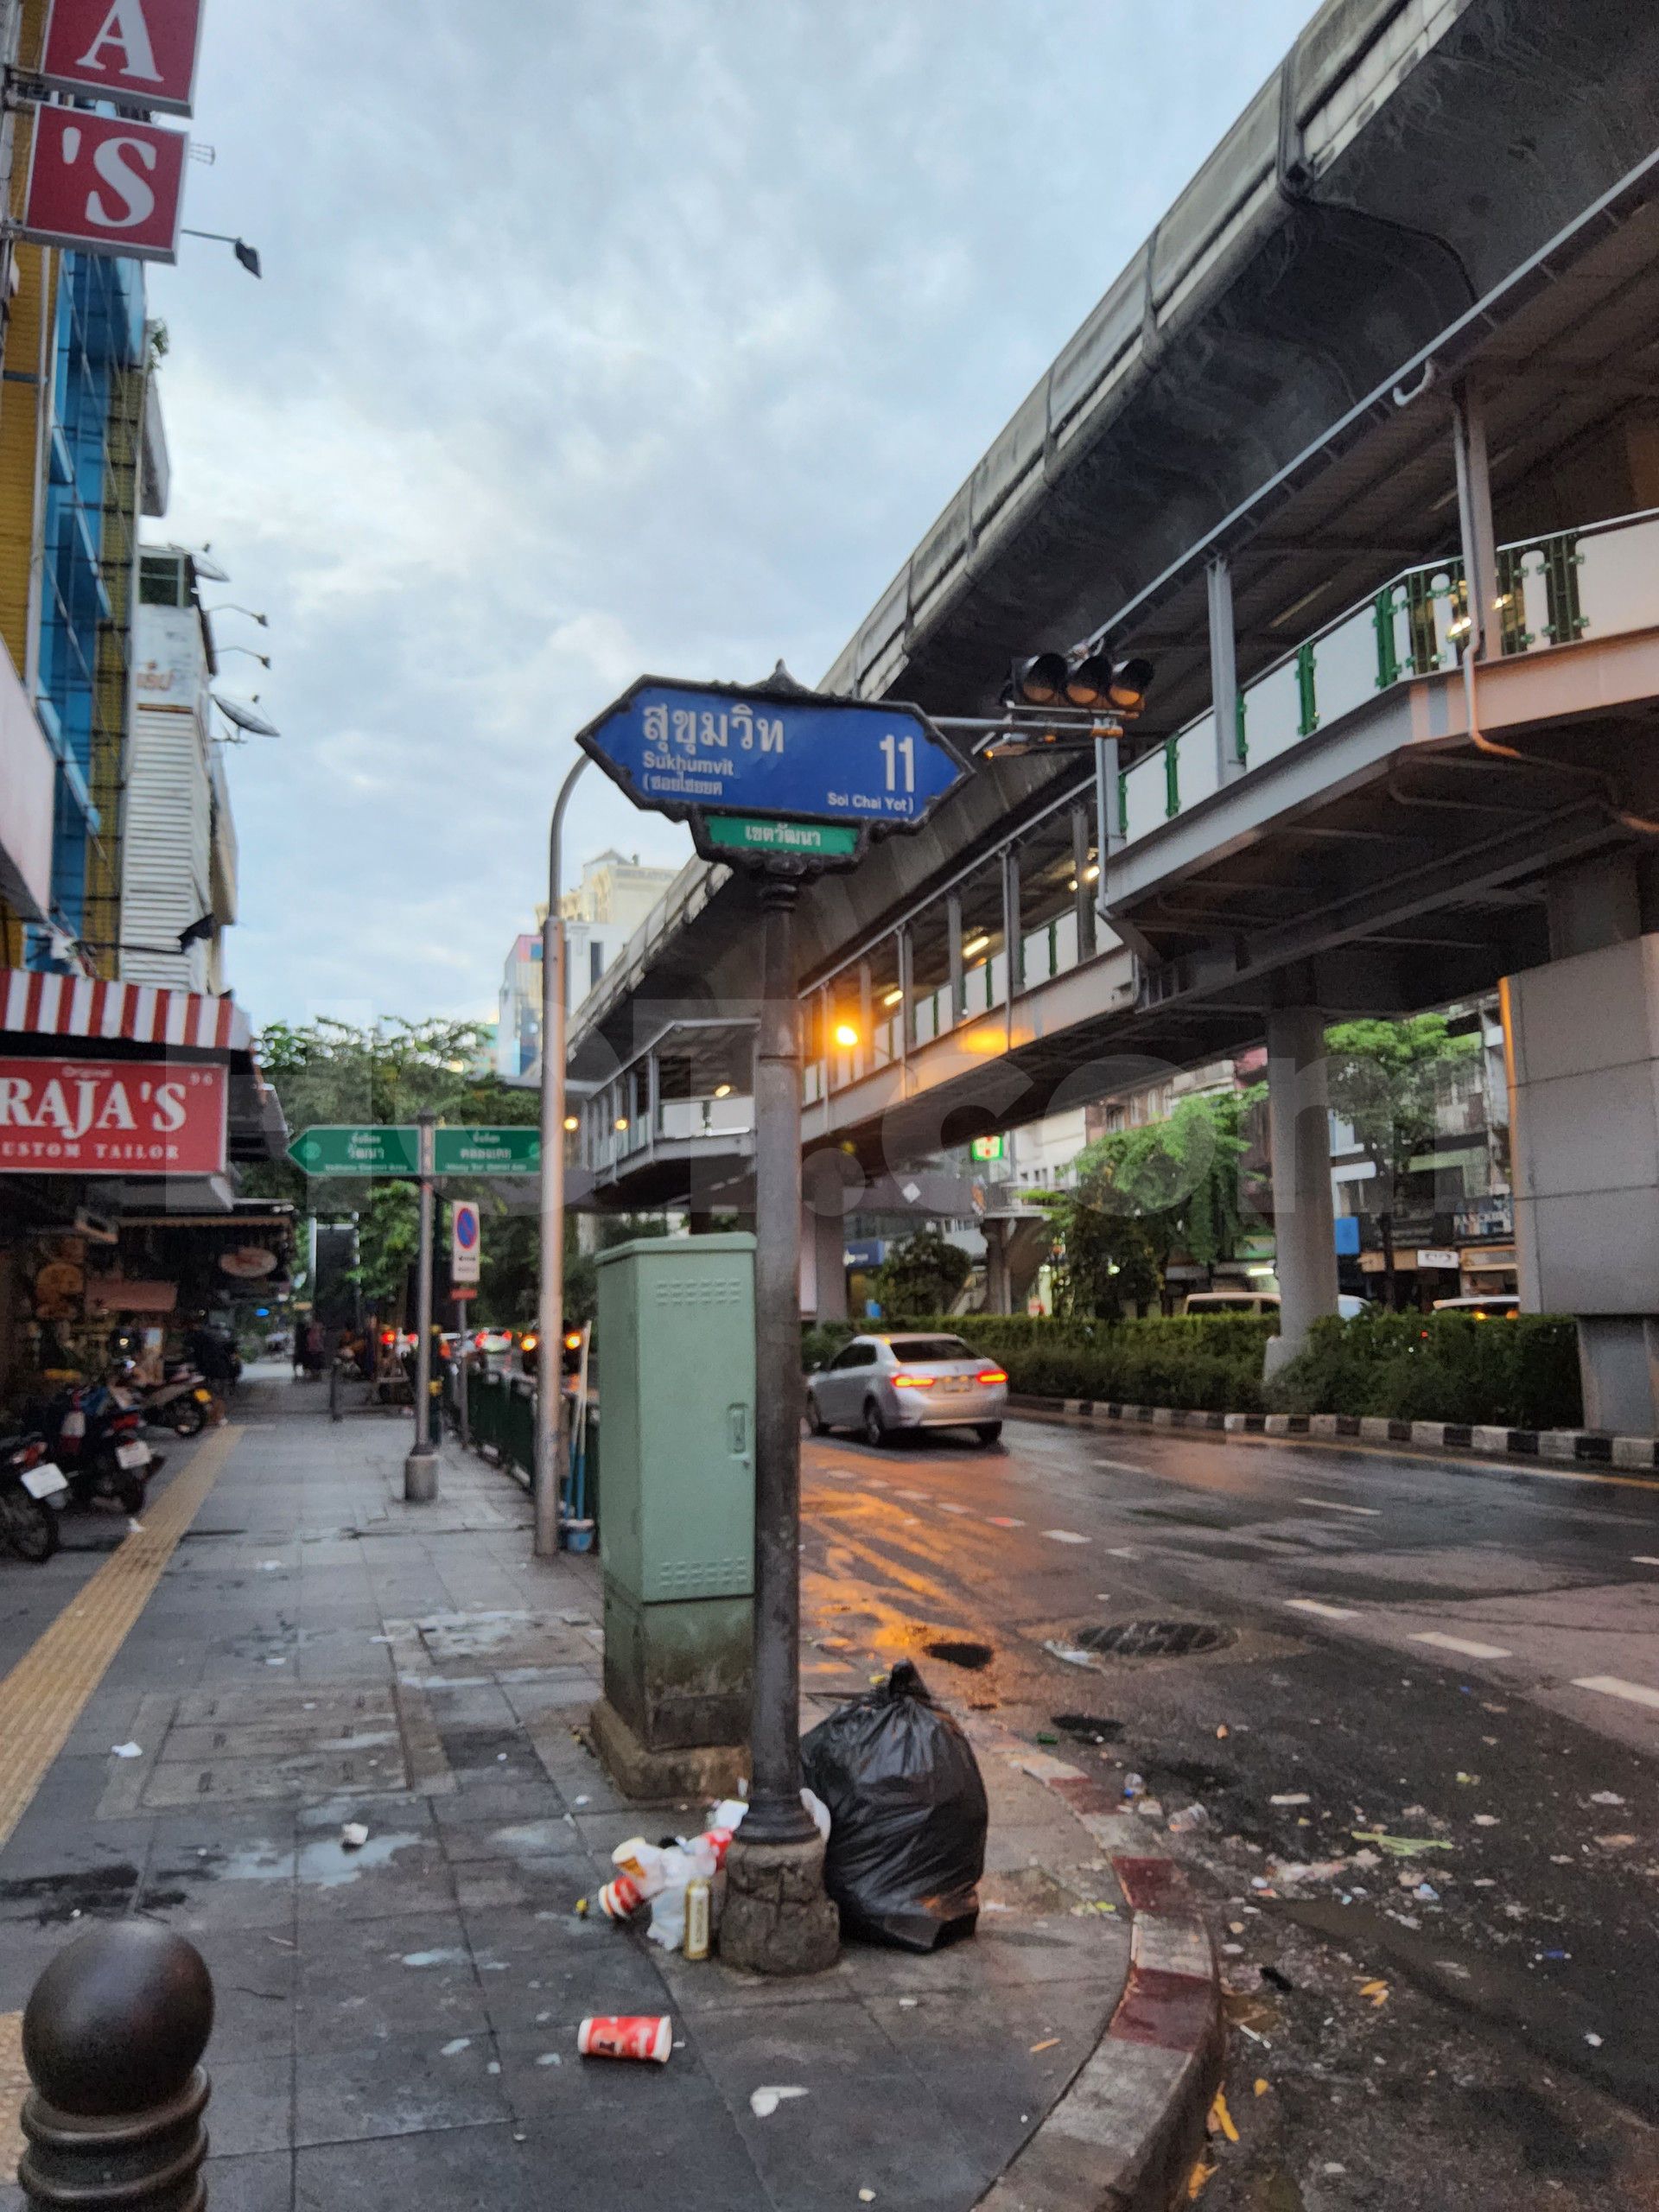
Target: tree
<point x="1138" y="1196"/>
<point x="921" y="1275"/>
<point x="389" y="1072"/>
<point x="1386" y="1079"/>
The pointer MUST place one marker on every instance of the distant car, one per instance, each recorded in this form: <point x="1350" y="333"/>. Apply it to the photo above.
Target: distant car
<point x="880" y="1384"/>
<point x="1502" y="1306"/>
<point x="1259" y="1301"/>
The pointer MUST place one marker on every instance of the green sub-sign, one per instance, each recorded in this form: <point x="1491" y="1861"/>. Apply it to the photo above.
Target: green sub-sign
<point x="486" y="1152"/>
<point x="746" y="833"/>
<point x="369" y="1151"/>
<point x="395" y="1150"/>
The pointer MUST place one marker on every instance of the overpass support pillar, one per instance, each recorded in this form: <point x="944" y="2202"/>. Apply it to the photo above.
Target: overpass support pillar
<point x="998" y="1278"/>
<point x="1223" y="668"/>
<point x="1581" y="1038"/>
<point x="824" y="1271"/>
<point x="1304" y="1230"/>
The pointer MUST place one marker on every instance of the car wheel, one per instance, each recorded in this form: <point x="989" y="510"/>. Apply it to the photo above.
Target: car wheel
<point x="987" y="1432"/>
<point x="876" y="1431"/>
<point x="31" y="1529"/>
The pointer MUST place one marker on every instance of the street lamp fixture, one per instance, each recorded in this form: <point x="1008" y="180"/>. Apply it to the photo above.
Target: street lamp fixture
<point x="722" y="1091"/>
<point x="263" y="659"/>
<point x="571" y="1124"/>
<point x="845" y="1036"/>
<point x="263" y="620"/>
<point x="247" y="255"/>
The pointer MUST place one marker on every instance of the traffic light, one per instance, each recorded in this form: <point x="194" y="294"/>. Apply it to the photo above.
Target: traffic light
<point x="1129" y="686"/>
<point x="1090" y="683"/>
<point x="1037" y="682"/>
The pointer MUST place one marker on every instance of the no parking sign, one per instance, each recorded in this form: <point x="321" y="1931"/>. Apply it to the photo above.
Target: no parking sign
<point x="464" y="1241"/>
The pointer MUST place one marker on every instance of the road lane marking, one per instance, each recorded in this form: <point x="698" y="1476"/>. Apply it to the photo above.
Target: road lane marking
<point x="1325" y="1612"/>
<point x="945" y="1506"/>
<point x="1122" y="1551"/>
<point x="1002" y="1521"/>
<point x="42" y="1697"/>
<point x="917" y="1496"/>
<point x="1123" y="1466"/>
<point x="1328" y="1505"/>
<point x="1611" y="1686"/>
<point x="1064" y="1536"/>
<point x="1464" y="1646"/>
<point x="1642" y="1558"/>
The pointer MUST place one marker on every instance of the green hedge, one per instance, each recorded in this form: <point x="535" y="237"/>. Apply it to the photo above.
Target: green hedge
<point x="1510" y="1374"/>
<point x="1212" y="1364"/>
<point x="1522" y="1373"/>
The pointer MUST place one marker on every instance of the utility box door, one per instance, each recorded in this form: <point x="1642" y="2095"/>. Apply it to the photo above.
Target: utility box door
<point x="676" y="1341"/>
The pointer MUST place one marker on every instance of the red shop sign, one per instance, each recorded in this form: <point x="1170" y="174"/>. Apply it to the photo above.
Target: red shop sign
<point x="105" y="185"/>
<point x="111" y="1117"/>
<point x="141" y="52"/>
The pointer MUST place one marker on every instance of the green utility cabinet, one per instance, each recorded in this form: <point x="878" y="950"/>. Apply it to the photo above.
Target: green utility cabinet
<point x="676" y="1351"/>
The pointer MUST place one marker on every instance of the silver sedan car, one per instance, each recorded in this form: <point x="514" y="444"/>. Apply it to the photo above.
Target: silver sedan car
<point x="880" y="1384"/>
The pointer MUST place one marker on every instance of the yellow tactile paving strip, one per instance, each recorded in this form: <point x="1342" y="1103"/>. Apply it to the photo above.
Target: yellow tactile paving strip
<point x="42" y="1697"/>
<point x="14" y="2087"/>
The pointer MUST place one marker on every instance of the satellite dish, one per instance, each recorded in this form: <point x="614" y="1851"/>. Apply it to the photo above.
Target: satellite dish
<point x="205" y="567"/>
<point x="245" y="717"/>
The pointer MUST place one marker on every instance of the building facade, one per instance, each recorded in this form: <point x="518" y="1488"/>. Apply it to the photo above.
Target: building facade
<point x="616" y="894"/>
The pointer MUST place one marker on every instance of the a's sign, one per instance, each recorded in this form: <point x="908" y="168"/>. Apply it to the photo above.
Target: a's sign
<point x="103" y="186"/>
<point x="464" y="1250"/>
<point x="141" y="52"/>
<point x="111" y="1117"/>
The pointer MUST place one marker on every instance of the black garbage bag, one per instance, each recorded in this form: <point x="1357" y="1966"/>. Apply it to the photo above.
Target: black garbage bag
<point x="907" y="1816"/>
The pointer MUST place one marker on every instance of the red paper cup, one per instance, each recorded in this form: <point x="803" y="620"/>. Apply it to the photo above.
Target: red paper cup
<point x="720" y="1839"/>
<point x="627" y="2035"/>
<point x="620" y="1898"/>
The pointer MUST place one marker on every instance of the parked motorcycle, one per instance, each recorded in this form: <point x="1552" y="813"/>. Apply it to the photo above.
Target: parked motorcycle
<point x="182" y="1402"/>
<point x="31" y="1488"/>
<point x="95" y="1440"/>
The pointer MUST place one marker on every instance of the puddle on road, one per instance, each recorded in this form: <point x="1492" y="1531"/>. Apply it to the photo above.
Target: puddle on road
<point x="58" y="1898"/>
<point x="1088" y="1727"/>
<point x="963" y="1653"/>
<point x="329" y="1866"/>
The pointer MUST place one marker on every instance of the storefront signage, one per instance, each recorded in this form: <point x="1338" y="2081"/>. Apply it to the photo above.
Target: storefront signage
<point x="141" y="52"/>
<point x="111" y="1117"/>
<point x="1437" y="1259"/>
<point x="105" y="185"/>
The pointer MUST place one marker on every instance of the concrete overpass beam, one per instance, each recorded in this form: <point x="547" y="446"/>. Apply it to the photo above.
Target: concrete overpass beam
<point x="1223" y="668"/>
<point x="1475" y="519"/>
<point x="1300" y="1143"/>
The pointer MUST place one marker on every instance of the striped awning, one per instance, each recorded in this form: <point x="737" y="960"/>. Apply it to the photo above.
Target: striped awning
<point x="138" y="1013"/>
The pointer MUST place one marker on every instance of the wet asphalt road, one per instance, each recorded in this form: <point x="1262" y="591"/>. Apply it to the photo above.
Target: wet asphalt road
<point x="1447" y="1653"/>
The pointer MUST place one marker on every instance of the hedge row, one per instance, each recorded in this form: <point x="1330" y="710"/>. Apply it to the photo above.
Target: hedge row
<point x="1520" y="1373"/>
<point x="1212" y="1365"/>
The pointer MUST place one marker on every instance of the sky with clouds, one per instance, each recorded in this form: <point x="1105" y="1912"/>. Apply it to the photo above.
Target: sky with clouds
<point x="600" y="337"/>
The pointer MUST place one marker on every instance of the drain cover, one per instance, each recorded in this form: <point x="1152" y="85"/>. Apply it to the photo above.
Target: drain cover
<point x="971" y="1655"/>
<point x="1088" y="1727"/>
<point x="1156" y="1639"/>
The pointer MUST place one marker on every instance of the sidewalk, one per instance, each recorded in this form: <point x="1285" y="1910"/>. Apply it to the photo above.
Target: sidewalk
<point x="397" y="2025"/>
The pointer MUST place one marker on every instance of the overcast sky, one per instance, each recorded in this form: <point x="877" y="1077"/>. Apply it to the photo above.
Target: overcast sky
<point x="600" y="337"/>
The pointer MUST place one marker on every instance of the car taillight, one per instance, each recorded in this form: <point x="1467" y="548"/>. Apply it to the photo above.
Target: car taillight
<point x="530" y="1340"/>
<point x="30" y="1454"/>
<point x="990" y="1374"/>
<point x="388" y="1336"/>
<point x="914" y="1382"/>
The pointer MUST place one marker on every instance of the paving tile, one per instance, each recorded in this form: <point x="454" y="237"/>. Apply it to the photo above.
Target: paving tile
<point x="464" y="1841"/>
<point x="252" y="2108"/>
<point x="261" y="2182"/>
<point x="433" y="2173"/>
<point x="397" y="1977"/>
<point x="562" y="1966"/>
<point x="402" y="2087"/>
<point x="397" y="1870"/>
<point x="253" y="1972"/>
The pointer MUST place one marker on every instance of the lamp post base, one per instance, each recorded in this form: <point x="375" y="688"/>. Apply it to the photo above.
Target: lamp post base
<point x="420" y="1478"/>
<point x="777" y="1919"/>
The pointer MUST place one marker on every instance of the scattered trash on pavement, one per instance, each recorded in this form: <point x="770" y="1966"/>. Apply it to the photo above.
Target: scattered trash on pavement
<point x="1190" y="1817"/>
<point x="1262" y="2086"/>
<point x="353" y="1835"/>
<point x="1376" y="1991"/>
<point x="1069" y="1652"/>
<point x="1047" y="2046"/>
<point x="455" y="2044"/>
<point x="908" y="1815"/>
<point x="1223" y="1732"/>
<point x="1593" y="2040"/>
<point x="1291" y="1797"/>
<point x="866" y="2196"/>
<point x="1134" y="1785"/>
<point x="128" y="1750"/>
<point x="1486" y="1819"/>
<point x="1426" y="1893"/>
<point x="1606" y="1797"/>
<point x="1613" y="1843"/>
<point x="1150" y="1808"/>
<point x="1401" y="1846"/>
<point x="1221" y="2121"/>
<point x="626" y="2035"/>
<point x="764" y="2102"/>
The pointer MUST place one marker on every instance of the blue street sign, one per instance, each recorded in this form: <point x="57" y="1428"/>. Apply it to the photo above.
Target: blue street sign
<point x="692" y="750"/>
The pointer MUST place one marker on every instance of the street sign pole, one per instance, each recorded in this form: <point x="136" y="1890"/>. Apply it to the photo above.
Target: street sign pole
<point x="421" y="1468"/>
<point x="461" y="1369"/>
<point x="549" y="1372"/>
<point x="778" y="1919"/>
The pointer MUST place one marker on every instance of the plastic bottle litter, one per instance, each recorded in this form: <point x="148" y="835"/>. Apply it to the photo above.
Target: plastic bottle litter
<point x="626" y="2035"/>
<point x="1134" y="1785"/>
<point x="1189" y="1818"/>
<point x="699" y="1909"/>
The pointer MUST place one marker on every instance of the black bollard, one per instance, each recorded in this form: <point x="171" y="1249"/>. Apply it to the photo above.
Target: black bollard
<point x="112" y="2037"/>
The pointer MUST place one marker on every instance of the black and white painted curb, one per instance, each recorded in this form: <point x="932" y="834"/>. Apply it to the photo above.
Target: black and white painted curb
<point x="1582" y="1446"/>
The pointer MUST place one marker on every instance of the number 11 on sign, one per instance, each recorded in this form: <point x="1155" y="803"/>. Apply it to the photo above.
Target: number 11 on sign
<point x="893" y="750"/>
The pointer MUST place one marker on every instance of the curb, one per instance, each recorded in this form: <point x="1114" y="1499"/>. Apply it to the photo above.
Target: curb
<point x="1585" y="1447"/>
<point x="1126" y="2130"/>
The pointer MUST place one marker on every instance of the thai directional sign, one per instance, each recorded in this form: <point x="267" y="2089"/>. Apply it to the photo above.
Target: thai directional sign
<point x="767" y="754"/>
<point x="486" y="1152"/>
<point x="385" y="1150"/>
<point x="390" y="1150"/>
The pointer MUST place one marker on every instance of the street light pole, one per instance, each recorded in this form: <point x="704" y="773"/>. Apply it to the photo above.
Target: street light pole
<point x="778" y="1919"/>
<point x="421" y="1468"/>
<point x="550" y="1390"/>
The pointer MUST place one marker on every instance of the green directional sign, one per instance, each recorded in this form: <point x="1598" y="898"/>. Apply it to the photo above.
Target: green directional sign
<point x="363" y="1150"/>
<point x="747" y="833"/>
<point x="486" y="1152"/>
